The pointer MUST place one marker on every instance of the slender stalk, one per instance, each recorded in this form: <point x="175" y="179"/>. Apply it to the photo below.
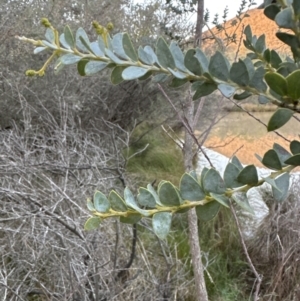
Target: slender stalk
<point x="258" y="276"/>
<point x="195" y="250"/>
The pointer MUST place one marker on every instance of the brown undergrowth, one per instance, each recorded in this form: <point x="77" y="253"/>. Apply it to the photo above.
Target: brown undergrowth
<point x="275" y="250"/>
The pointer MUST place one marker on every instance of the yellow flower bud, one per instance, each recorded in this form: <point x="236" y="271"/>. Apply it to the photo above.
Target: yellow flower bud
<point x="30" y="73"/>
<point x="110" y="26"/>
<point x="45" y="22"/>
<point x="95" y="24"/>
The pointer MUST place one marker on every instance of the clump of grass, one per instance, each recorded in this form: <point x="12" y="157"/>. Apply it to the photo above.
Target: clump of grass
<point x="223" y="256"/>
<point x="275" y="249"/>
<point x="226" y="264"/>
<point x="161" y="159"/>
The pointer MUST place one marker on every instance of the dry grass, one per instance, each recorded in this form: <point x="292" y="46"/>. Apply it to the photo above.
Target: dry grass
<point x="275" y="250"/>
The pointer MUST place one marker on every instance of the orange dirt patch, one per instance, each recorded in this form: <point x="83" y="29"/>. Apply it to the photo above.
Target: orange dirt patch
<point x="244" y="149"/>
<point x="259" y="23"/>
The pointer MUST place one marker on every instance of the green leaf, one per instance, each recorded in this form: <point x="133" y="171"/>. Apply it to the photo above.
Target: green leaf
<point x="70" y="58"/>
<point x="190" y="189"/>
<point x="50" y="45"/>
<point x="90" y="205"/>
<point x="101" y="203"/>
<point x="219" y="66"/>
<point x="114" y="58"/>
<point x="133" y="72"/>
<point x="155" y="195"/>
<point x="69" y="37"/>
<point x="260" y="44"/>
<point x="39" y="49"/>
<point x="178" y="56"/>
<point x="176" y="82"/>
<point x="116" y="202"/>
<point x="277" y="83"/>
<point x="58" y="66"/>
<point x="194" y="175"/>
<point x="130" y="202"/>
<point x="117" y="44"/>
<point x="242" y="96"/>
<point x="284" y="19"/>
<point x="202" y="60"/>
<point x="145" y="57"/>
<point x="222" y="199"/>
<point x="283" y="184"/>
<point x="293" y="85"/>
<point x="116" y="75"/>
<point x="286" y="68"/>
<point x="271" y="11"/>
<point x="282" y="153"/>
<point x="208" y="211"/>
<point x="130" y="219"/>
<point x="271" y="160"/>
<point x="168" y="195"/>
<point x="248" y="33"/>
<point x="101" y="44"/>
<point x="259" y="158"/>
<point x="250" y="67"/>
<point x="294" y="160"/>
<point x="151" y="52"/>
<point x="192" y="63"/>
<point x="82" y="40"/>
<point x="296" y="6"/>
<point x="63" y="41"/>
<point x="50" y="36"/>
<point x="92" y="223"/>
<point x="161" y="223"/>
<point x="204" y="89"/>
<point x="93" y="67"/>
<point x="272" y="182"/>
<point x="160" y="78"/>
<point x="248" y="176"/>
<point x="178" y="74"/>
<point x="267" y="55"/>
<point x="213" y="182"/>
<point x="263" y="99"/>
<point x="230" y="176"/>
<point x="81" y="66"/>
<point x="164" y="54"/>
<point x="145" y="198"/>
<point x="257" y="80"/>
<point x="279" y="118"/>
<point x="288" y="39"/>
<point x="295" y="147"/>
<point x="241" y="199"/>
<point x="275" y="59"/>
<point x="203" y="173"/>
<point x="239" y="73"/>
<point x="237" y="163"/>
<point x="128" y="48"/>
<point x="146" y="76"/>
<point x="226" y="90"/>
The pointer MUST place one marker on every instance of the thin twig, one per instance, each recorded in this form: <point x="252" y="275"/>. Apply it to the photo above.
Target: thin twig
<point x="257" y="119"/>
<point x="185" y="124"/>
<point x="258" y="277"/>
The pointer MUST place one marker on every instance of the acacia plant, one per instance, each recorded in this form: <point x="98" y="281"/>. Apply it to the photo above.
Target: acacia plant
<point x="263" y="73"/>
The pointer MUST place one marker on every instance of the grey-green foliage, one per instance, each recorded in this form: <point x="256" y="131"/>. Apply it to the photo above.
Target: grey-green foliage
<point x="263" y="72"/>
